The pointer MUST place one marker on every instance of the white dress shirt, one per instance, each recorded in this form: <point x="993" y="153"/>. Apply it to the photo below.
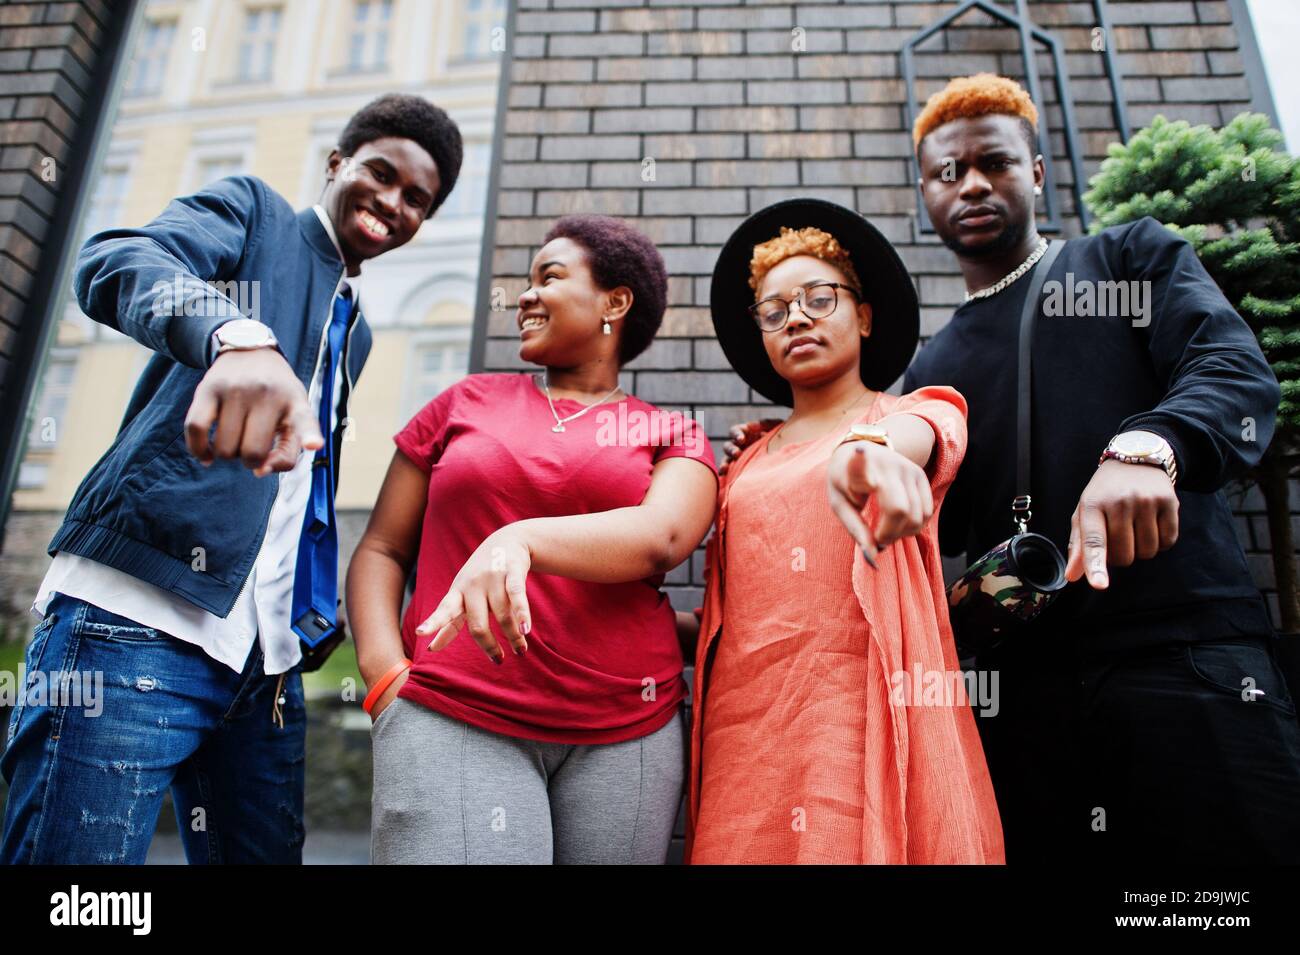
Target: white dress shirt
<point x="265" y="605"/>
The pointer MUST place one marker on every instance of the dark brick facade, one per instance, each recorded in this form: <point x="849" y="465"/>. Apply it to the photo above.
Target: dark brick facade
<point x="55" y="61"/>
<point x="734" y="118"/>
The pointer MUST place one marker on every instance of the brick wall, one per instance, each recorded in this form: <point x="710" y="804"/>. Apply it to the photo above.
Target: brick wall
<point x="735" y="118"/>
<point x="54" y="60"/>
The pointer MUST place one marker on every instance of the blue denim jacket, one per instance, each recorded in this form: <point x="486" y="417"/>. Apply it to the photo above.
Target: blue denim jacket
<point x="148" y="507"/>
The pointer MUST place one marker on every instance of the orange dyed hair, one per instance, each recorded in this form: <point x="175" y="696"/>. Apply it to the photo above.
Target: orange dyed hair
<point x="978" y="95"/>
<point x="810" y="241"/>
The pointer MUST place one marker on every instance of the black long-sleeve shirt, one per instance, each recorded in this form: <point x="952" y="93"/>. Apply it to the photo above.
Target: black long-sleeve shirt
<point x="1189" y="370"/>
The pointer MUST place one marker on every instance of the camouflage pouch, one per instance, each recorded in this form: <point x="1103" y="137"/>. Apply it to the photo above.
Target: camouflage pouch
<point x="1004" y="590"/>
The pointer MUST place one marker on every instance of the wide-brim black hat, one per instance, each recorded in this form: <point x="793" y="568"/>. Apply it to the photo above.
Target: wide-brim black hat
<point x="896" y="320"/>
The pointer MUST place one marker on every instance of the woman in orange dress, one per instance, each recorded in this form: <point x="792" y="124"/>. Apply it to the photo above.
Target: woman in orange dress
<point x="824" y="614"/>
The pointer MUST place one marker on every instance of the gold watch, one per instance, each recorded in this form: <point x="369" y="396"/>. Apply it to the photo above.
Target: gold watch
<point x="874" y="433"/>
<point x="1142" y="447"/>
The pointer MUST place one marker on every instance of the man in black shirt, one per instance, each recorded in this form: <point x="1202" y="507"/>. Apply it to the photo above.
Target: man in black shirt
<point x="1143" y="714"/>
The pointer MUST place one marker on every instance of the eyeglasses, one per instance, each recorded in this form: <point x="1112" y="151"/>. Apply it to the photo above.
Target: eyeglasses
<point x="815" y="301"/>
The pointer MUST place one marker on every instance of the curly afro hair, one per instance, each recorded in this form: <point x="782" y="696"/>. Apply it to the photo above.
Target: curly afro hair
<point x="978" y="95"/>
<point x="618" y="254"/>
<point x="810" y="241"/>
<point x="414" y="118"/>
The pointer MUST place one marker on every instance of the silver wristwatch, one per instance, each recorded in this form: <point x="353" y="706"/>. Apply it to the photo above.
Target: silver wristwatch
<point x="242" y="334"/>
<point x="1142" y="447"/>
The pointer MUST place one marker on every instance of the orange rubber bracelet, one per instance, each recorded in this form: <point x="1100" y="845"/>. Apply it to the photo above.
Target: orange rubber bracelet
<point x="384" y="682"/>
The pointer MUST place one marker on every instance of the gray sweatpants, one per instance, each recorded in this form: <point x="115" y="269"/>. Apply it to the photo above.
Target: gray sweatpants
<point x="446" y="792"/>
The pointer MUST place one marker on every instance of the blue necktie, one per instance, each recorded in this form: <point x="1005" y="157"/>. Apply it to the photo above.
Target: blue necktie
<point x="316" y="581"/>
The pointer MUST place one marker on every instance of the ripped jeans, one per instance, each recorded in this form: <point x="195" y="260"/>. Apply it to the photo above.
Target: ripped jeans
<point x="113" y="713"/>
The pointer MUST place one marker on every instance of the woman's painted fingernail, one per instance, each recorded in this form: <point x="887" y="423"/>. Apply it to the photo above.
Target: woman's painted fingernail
<point x="525" y="627"/>
<point x="868" y="558"/>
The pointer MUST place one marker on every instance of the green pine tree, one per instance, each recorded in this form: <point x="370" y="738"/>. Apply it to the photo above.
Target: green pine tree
<point x="1236" y="197"/>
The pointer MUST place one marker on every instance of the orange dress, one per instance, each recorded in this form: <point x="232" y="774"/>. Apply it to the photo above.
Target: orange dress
<point x="808" y="744"/>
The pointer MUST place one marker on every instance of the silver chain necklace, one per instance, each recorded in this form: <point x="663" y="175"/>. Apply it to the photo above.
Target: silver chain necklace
<point x="1011" y="276"/>
<point x="559" y="422"/>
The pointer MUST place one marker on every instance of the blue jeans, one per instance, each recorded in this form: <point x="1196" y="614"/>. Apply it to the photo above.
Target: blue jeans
<point x="113" y="713"/>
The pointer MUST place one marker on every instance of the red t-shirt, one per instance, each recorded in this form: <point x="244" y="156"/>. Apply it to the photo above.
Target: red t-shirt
<point x="603" y="662"/>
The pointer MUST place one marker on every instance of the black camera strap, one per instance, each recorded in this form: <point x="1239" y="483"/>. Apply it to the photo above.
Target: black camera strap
<point x="1024" y="422"/>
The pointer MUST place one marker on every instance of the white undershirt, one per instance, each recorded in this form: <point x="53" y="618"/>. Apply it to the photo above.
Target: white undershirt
<point x="264" y="608"/>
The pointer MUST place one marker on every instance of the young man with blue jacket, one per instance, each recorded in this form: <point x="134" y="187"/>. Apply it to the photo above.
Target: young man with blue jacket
<point x="197" y="562"/>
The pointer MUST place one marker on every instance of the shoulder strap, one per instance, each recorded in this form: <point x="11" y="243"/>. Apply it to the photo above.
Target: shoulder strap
<point x="1025" y="378"/>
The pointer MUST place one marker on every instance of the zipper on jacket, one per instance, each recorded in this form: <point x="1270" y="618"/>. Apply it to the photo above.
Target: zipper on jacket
<point x="347" y="350"/>
<point x="320" y="344"/>
<point x="266" y="517"/>
<point x="320" y="347"/>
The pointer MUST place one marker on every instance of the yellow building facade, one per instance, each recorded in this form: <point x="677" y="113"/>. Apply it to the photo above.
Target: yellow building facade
<point x="218" y="87"/>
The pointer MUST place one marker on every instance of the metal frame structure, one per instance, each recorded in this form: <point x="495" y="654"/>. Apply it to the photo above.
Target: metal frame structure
<point x="1118" y="106"/>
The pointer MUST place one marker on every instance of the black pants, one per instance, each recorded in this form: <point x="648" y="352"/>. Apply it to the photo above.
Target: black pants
<point x="1154" y="755"/>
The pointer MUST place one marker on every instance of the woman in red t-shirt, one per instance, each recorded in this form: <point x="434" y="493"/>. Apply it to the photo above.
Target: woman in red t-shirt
<point x="540" y="513"/>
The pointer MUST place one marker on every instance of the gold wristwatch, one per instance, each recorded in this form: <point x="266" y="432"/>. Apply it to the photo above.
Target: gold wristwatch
<point x="866" y="432"/>
<point x="1142" y="447"/>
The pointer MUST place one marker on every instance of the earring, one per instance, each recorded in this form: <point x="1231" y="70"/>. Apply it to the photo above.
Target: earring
<point x="605" y="322"/>
<point x="1038" y="190"/>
